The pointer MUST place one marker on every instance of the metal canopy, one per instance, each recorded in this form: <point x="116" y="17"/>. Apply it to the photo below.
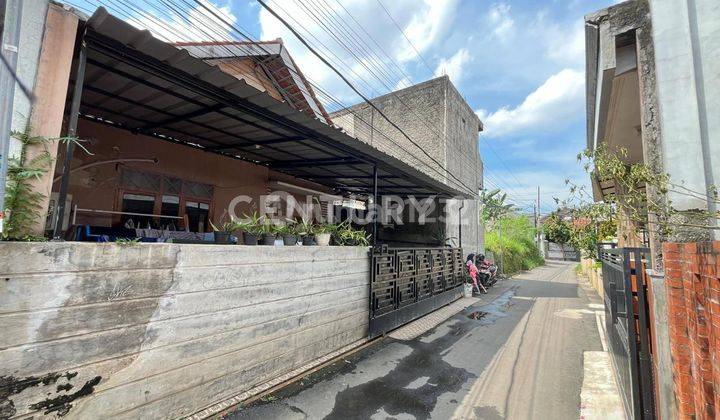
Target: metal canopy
<point x="139" y="83"/>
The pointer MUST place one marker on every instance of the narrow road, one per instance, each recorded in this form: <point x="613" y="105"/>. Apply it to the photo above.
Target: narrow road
<point x="517" y="354"/>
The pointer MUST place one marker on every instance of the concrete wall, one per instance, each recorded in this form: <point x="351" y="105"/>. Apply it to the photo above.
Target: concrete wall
<point x="164" y="330"/>
<point x="687" y="58"/>
<point x="435" y="116"/>
<point x="31" y="34"/>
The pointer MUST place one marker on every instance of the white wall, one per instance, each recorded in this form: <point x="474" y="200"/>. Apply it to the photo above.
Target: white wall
<point x="31" y="34"/>
<point x="686" y="37"/>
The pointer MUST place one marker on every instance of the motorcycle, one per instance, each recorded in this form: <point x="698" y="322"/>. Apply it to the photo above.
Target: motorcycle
<point x="487" y="271"/>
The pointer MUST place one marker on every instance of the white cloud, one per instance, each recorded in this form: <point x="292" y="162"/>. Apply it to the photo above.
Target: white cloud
<point x="425" y="24"/>
<point x="199" y="25"/>
<point x="453" y="66"/>
<point x="547" y="108"/>
<point x="565" y="44"/>
<point x="500" y="20"/>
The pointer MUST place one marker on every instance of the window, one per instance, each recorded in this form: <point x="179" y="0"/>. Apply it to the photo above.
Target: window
<point x="139" y="204"/>
<point x="158" y="194"/>
<point x="197" y="215"/>
<point x="170" y="205"/>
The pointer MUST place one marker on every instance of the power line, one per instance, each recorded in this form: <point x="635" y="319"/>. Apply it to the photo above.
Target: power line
<point x="174" y="30"/>
<point x="382" y="114"/>
<point x="405" y="35"/>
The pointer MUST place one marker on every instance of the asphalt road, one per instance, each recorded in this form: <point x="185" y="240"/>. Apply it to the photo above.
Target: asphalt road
<point x="520" y="359"/>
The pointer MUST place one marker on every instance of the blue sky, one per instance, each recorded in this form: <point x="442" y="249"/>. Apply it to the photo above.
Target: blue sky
<point x="519" y="64"/>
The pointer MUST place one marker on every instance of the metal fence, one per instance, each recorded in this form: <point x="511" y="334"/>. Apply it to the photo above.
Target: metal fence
<point x="407" y="283"/>
<point x="627" y="323"/>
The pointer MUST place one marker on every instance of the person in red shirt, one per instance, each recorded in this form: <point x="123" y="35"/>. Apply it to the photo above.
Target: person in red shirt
<point x="473" y="271"/>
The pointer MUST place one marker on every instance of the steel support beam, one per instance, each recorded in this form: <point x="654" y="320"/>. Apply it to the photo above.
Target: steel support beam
<point x="310" y="162"/>
<point x="71" y="132"/>
<point x="375" y="204"/>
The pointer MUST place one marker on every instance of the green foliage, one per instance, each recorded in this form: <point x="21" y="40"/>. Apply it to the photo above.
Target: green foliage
<point x="127" y="241"/>
<point x="345" y="234"/>
<point x="228" y="226"/>
<point x="557" y="230"/>
<point x="512" y="240"/>
<point x="22" y="202"/>
<point x="630" y="198"/>
<point x="493" y="205"/>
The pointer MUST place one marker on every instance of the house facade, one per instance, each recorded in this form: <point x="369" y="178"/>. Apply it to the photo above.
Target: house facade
<point x="170" y="140"/>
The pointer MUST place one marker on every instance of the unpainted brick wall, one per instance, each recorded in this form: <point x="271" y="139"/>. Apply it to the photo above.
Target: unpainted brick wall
<point x="693" y="287"/>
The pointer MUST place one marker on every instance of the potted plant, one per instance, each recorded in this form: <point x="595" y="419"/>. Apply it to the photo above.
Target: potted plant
<point x="346" y="235"/>
<point x="222" y="232"/>
<point x="288" y="232"/>
<point x="252" y="227"/>
<point x="323" y="232"/>
<point x="268" y="232"/>
<point x="305" y="231"/>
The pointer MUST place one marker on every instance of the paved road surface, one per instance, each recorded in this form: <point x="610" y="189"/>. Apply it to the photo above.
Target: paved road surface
<point x="521" y="359"/>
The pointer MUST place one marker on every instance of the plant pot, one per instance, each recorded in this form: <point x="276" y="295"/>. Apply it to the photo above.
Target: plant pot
<point x="468" y="290"/>
<point x="249" y="239"/>
<point x="268" y="239"/>
<point x="221" y="237"/>
<point x="308" y="240"/>
<point x="289" y="240"/>
<point x="322" y="239"/>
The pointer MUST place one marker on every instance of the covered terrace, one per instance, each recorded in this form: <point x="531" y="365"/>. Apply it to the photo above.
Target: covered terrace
<point x="179" y="130"/>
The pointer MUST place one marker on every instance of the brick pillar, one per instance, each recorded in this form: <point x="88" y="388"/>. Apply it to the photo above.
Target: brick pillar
<point x="693" y="289"/>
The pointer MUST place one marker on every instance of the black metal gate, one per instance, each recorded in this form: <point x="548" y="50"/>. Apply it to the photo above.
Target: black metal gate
<point x="627" y="323"/>
<point x="407" y="283"/>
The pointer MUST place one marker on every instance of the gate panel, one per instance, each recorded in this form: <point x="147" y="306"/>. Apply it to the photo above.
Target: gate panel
<point x="627" y="324"/>
<point x="407" y="283"/>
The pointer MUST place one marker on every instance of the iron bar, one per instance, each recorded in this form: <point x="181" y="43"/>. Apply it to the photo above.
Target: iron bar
<point x="71" y="133"/>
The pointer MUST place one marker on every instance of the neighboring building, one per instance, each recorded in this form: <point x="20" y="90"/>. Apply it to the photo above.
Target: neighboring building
<point x="436" y="117"/>
<point x="653" y="87"/>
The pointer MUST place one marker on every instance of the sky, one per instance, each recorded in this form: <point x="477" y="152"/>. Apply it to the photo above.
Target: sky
<point x="519" y="65"/>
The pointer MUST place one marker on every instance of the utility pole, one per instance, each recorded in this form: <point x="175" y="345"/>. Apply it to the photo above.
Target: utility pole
<point x="537" y="221"/>
<point x="9" y="51"/>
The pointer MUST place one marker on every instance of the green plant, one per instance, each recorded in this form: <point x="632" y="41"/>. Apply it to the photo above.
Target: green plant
<point x="639" y="199"/>
<point x="512" y="241"/>
<point x="229" y="226"/>
<point x="286" y="228"/>
<point x="493" y="205"/>
<point x="22" y="201"/>
<point x="253" y="224"/>
<point x="345" y="234"/>
<point x="304" y="228"/>
<point x="127" y="241"/>
<point x="556" y="229"/>
<point x="321" y="228"/>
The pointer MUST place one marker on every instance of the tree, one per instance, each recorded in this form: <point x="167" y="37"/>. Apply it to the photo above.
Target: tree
<point x="556" y="229"/>
<point x="493" y="205"/>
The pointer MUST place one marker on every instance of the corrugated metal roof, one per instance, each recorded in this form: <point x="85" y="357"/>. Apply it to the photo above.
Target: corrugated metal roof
<point x="137" y="82"/>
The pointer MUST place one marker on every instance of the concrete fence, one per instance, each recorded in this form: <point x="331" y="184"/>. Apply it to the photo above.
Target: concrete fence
<point x="165" y="330"/>
<point x="553" y="251"/>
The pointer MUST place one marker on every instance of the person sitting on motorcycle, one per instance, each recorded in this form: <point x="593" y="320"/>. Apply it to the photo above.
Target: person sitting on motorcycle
<point x="481" y="263"/>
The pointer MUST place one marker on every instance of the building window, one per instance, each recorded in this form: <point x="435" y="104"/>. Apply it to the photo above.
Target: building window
<point x="162" y="195"/>
<point x="197" y="215"/>
<point x="137" y="204"/>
